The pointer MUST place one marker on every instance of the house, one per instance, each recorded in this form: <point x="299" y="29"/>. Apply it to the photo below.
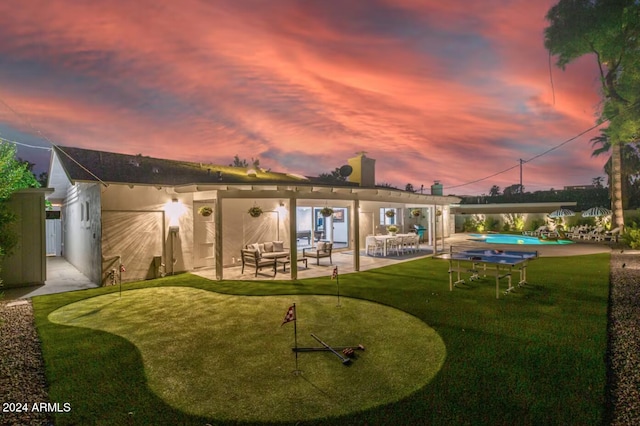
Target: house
<point x="136" y="217"/>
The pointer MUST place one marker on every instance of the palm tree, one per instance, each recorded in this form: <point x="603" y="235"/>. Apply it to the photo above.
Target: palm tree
<point x="623" y="162"/>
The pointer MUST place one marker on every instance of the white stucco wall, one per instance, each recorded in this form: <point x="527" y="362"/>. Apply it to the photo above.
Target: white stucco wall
<point x="143" y="215"/>
<point x="81" y="229"/>
<point x="239" y="228"/>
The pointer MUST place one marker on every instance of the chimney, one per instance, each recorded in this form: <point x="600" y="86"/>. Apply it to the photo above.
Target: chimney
<point x="364" y="170"/>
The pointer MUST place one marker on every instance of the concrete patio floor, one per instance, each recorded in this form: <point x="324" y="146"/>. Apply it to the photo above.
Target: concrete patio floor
<point x="62" y="276"/>
<point x="344" y="259"/>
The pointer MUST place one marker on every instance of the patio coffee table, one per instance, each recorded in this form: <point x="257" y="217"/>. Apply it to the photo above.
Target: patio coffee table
<point x="284" y="261"/>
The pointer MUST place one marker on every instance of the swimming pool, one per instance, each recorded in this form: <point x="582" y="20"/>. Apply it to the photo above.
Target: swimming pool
<point x="514" y="239"/>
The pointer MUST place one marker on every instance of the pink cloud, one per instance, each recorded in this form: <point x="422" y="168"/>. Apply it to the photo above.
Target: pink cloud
<point x="453" y="91"/>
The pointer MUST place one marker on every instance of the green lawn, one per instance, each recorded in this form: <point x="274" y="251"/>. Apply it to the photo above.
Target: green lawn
<point x="533" y="357"/>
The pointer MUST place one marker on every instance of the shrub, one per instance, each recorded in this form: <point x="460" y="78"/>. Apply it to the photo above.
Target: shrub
<point x="631" y="235"/>
<point x="513" y="222"/>
<point x="536" y="223"/>
<point x="491" y="224"/>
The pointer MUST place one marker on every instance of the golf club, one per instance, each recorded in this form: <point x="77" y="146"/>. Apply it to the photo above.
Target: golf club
<point x="323" y="349"/>
<point x="345" y="361"/>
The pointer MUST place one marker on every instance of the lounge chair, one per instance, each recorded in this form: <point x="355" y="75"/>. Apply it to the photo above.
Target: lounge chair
<point x="597" y="234"/>
<point x="613" y="234"/>
<point x="537" y="232"/>
<point x="322" y="249"/>
<point x="253" y="258"/>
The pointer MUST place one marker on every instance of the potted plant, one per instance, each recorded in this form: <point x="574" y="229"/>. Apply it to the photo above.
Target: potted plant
<point x="416" y="212"/>
<point x="326" y="211"/>
<point x="392" y="229"/>
<point x="390" y="213"/>
<point x="205" y="211"/>
<point x="255" y="211"/>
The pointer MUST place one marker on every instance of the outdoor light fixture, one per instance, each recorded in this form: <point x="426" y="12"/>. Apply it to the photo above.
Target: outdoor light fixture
<point x="174" y="209"/>
<point x="281" y="209"/>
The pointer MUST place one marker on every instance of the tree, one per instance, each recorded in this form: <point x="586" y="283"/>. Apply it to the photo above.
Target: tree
<point x="494" y="191"/>
<point x="629" y="164"/>
<point x="14" y="175"/>
<point x="237" y="162"/>
<point x="333" y="176"/>
<point x="409" y="188"/>
<point x="514" y="189"/>
<point x="610" y="32"/>
<point x="597" y="181"/>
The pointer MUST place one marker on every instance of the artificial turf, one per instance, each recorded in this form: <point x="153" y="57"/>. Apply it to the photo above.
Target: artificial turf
<point x="535" y="356"/>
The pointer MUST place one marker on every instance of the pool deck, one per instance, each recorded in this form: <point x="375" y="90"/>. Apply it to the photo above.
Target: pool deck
<point x="579" y="248"/>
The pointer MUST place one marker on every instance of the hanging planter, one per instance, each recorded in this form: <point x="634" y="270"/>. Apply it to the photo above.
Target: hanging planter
<point x="438" y="212"/>
<point x="390" y="213"/>
<point x="255" y="211"/>
<point x="392" y="229"/>
<point x="326" y="211"/>
<point x="205" y="211"/>
<point x="416" y="212"/>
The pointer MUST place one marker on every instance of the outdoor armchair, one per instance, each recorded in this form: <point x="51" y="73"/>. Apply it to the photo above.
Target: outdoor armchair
<point x="322" y="249"/>
<point x="252" y="258"/>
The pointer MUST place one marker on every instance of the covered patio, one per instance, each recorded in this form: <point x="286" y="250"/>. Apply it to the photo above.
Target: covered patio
<point x="290" y="214"/>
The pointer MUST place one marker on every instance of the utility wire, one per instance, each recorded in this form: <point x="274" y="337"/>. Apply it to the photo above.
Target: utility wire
<point x="532" y="158"/>
<point x="24" y="144"/>
<point x="50" y="142"/>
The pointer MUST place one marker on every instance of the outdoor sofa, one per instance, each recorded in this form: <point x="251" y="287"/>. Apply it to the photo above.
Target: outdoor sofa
<point x="261" y="255"/>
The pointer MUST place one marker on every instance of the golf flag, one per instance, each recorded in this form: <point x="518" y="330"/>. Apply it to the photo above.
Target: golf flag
<point x="290" y="316"/>
<point x="335" y="273"/>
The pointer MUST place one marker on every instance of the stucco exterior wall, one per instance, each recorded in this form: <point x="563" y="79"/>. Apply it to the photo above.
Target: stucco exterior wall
<point x="239" y="229"/>
<point x="144" y="223"/>
<point x="81" y="229"/>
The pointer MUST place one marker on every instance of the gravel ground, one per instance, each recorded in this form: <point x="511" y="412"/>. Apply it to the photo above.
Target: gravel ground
<point x="22" y="370"/>
<point x="22" y="380"/>
<point x="623" y="357"/>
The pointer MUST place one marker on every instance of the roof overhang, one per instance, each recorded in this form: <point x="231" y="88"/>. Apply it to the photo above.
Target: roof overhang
<point x="510" y="207"/>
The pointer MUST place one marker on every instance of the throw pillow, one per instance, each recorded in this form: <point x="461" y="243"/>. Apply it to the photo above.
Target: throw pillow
<point x="321" y="246"/>
<point x="255" y="247"/>
<point x="278" y="246"/>
<point x="269" y="247"/>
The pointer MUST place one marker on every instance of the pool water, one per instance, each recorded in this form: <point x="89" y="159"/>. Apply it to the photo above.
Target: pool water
<point x="515" y="239"/>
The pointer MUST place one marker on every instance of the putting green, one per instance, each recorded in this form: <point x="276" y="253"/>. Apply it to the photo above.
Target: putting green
<point x="228" y="357"/>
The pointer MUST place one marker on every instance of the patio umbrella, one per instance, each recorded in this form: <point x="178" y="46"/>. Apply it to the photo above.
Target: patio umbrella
<point x="561" y="213"/>
<point x="596" y="212"/>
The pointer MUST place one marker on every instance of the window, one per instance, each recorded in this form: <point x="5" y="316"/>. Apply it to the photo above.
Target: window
<point x="384" y="217"/>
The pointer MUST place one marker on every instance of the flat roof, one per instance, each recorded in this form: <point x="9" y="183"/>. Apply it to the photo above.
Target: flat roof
<point x="511" y="207"/>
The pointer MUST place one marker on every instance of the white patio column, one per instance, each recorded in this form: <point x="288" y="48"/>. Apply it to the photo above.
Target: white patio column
<point x="293" y="240"/>
<point x="217" y="211"/>
<point x="355" y="235"/>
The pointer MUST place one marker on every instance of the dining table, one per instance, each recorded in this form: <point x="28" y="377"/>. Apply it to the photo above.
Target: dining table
<point x="385" y="239"/>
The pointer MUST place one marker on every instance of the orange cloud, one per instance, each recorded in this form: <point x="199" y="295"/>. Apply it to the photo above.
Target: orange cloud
<point x="454" y="91"/>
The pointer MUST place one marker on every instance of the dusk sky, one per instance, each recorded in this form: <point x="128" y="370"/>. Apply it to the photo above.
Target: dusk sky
<point x="453" y="91"/>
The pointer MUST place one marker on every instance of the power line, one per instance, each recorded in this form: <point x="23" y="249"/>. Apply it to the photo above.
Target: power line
<point x="48" y="140"/>
<point x="24" y="144"/>
<point x="532" y="158"/>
